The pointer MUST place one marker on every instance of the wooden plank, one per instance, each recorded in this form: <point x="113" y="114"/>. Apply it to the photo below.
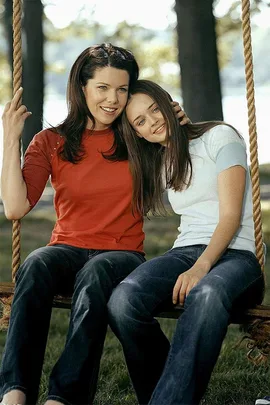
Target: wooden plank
<point x="260" y="311"/>
<point x="7" y="289"/>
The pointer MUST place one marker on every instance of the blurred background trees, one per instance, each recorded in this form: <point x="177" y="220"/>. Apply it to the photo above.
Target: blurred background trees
<point x="197" y="50"/>
<point x="185" y="58"/>
<point x="33" y="61"/>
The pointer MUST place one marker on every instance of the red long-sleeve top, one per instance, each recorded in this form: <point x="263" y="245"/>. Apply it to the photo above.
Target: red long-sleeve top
<point x="92" y="198"/>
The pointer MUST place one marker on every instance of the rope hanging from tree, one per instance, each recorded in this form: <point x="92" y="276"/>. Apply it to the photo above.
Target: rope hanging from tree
<point x="17" y="82"/>
<point x="254" y="164"/>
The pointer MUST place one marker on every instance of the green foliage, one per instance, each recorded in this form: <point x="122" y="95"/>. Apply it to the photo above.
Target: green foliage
<point x="5" y="82"/>
<point x="76" y="29"/>
<point x="156" y="51"/>
<point x="5" y="78"/>
<point x="157" y="57"/>
<point x="228" y="27"/>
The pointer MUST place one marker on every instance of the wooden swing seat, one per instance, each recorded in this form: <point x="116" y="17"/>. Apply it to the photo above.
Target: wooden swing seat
<point x="238" y="317"/>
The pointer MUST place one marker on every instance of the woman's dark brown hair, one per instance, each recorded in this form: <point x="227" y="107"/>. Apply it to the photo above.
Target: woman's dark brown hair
<point x="155" y="167"/>
<point x="83" y="69"/>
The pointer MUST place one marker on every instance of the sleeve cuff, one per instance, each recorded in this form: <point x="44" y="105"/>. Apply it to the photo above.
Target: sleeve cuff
<point x="233" y="154"/>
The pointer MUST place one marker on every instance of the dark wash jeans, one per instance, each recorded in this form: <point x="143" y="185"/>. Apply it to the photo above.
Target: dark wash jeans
<point x="91" y="276"/>
<point x="178" y="374"/>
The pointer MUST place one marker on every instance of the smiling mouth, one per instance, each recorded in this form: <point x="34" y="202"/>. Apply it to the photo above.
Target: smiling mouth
<point x="109" y="110"/>
<point x="160" y="129"/>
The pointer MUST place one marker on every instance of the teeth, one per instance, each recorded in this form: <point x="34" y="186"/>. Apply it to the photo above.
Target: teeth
<point x="108" y="109"/>
<point x="160" y="128"/>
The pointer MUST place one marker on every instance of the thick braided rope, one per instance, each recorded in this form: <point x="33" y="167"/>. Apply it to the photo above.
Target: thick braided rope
<point x="17" y="81"/>
<point x="254" y="165"/>
<point x="16" y="225"/>
<point x="4" y="321"/>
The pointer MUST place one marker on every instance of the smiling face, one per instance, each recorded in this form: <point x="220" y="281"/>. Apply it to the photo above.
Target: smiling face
<point x="145" y="117"/>
<point x="106" y="96"/>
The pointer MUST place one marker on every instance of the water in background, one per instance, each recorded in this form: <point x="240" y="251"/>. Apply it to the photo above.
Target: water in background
<point x="234" y="109"/>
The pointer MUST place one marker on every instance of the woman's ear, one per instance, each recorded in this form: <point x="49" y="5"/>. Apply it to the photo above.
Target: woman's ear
<point x="138" y="135"/>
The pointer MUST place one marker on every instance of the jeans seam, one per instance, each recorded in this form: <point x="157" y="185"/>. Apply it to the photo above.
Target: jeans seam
<point x="119" y="279"/>
<point x="92" y="253"/>
<point x="252" y="282"/>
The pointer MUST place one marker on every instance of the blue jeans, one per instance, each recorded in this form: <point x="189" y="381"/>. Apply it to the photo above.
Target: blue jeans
<point x="178" y="374"/>
<point x="90" y="277"/>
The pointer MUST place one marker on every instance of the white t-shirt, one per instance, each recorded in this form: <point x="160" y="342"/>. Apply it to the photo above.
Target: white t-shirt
<point x="216" y="150"/>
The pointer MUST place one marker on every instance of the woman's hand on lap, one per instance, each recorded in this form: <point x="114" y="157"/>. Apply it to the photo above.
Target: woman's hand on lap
<point x="186" y="281"/>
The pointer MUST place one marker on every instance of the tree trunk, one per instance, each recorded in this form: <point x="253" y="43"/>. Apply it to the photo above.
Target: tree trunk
<point x="198" y="59"/>
<point x="33" y="68"/>
<point x="8" y="5"/>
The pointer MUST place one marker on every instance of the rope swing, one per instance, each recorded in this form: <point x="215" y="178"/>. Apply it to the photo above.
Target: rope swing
<point x="257" y="320"/>
<point x="254" y="163"/>
<point x="16" y="225"/>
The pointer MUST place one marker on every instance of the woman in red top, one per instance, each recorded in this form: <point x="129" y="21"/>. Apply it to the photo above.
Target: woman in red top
<point x="97" y="239"/>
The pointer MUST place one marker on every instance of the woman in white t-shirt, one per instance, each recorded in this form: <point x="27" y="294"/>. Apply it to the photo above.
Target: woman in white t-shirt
<point x="211" y="267"/>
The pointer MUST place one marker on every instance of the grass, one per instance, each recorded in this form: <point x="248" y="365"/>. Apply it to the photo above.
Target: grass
<point x="235" y="380"/>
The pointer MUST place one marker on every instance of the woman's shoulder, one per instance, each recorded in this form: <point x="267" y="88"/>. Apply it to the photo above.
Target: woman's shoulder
<point x="225" y="131"/>
<point x="221" y="135"/>
<point x="47" y="136"/>
<point x="45" y="143"/>
<point x="48" y="139"/>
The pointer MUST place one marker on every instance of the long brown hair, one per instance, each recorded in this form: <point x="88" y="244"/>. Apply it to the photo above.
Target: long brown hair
<point x="153" y="166"/>
<point x="83" y="69"/>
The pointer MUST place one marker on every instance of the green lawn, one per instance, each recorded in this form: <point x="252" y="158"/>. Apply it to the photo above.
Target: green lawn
<point x="235" y="380"/>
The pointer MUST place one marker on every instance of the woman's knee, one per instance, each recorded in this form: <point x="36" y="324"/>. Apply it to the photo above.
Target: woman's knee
<point x="122" y="305"/>
<point x="37" y="267"/>
<point x="209" y="297"/>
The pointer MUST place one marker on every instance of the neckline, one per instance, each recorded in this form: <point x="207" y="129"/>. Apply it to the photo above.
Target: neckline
<point x="100" y="132"/>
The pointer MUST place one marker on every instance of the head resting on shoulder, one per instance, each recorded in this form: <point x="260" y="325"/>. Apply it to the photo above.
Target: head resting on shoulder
<point x="158" y="146"/>
<point x="149" y="112"/>
<point x="149" y="125"/>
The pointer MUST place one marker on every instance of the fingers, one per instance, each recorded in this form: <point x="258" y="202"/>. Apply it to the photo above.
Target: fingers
<point x="176" y="290"/>
<point x="13" y="104"/>
<point x="179" y="291"/>
<point x="182" y="288"/>
<point x="181" y="114"/>
<point x="177" y="109"/>
<point x="175" y="104"/>
<point x="183" y="292"/>
<point x="22" y="109"/>
<point x="16" y="98"/>
<point x="185" y="120"/>
<point x="26" y="115"/>
<point x="7" y="106"/>
<point x="190" y="286"/>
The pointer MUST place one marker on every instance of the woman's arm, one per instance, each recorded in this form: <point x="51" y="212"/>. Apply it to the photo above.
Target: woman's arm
<point x="231" y="188"/>
<point x="13" y="187"/>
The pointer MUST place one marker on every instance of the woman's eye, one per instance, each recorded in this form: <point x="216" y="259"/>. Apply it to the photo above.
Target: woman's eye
<point x="156" y="109"/>
<point x="141" y="122"/>
<point x="123" y="89"/>
<point x="102" y="87"/>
